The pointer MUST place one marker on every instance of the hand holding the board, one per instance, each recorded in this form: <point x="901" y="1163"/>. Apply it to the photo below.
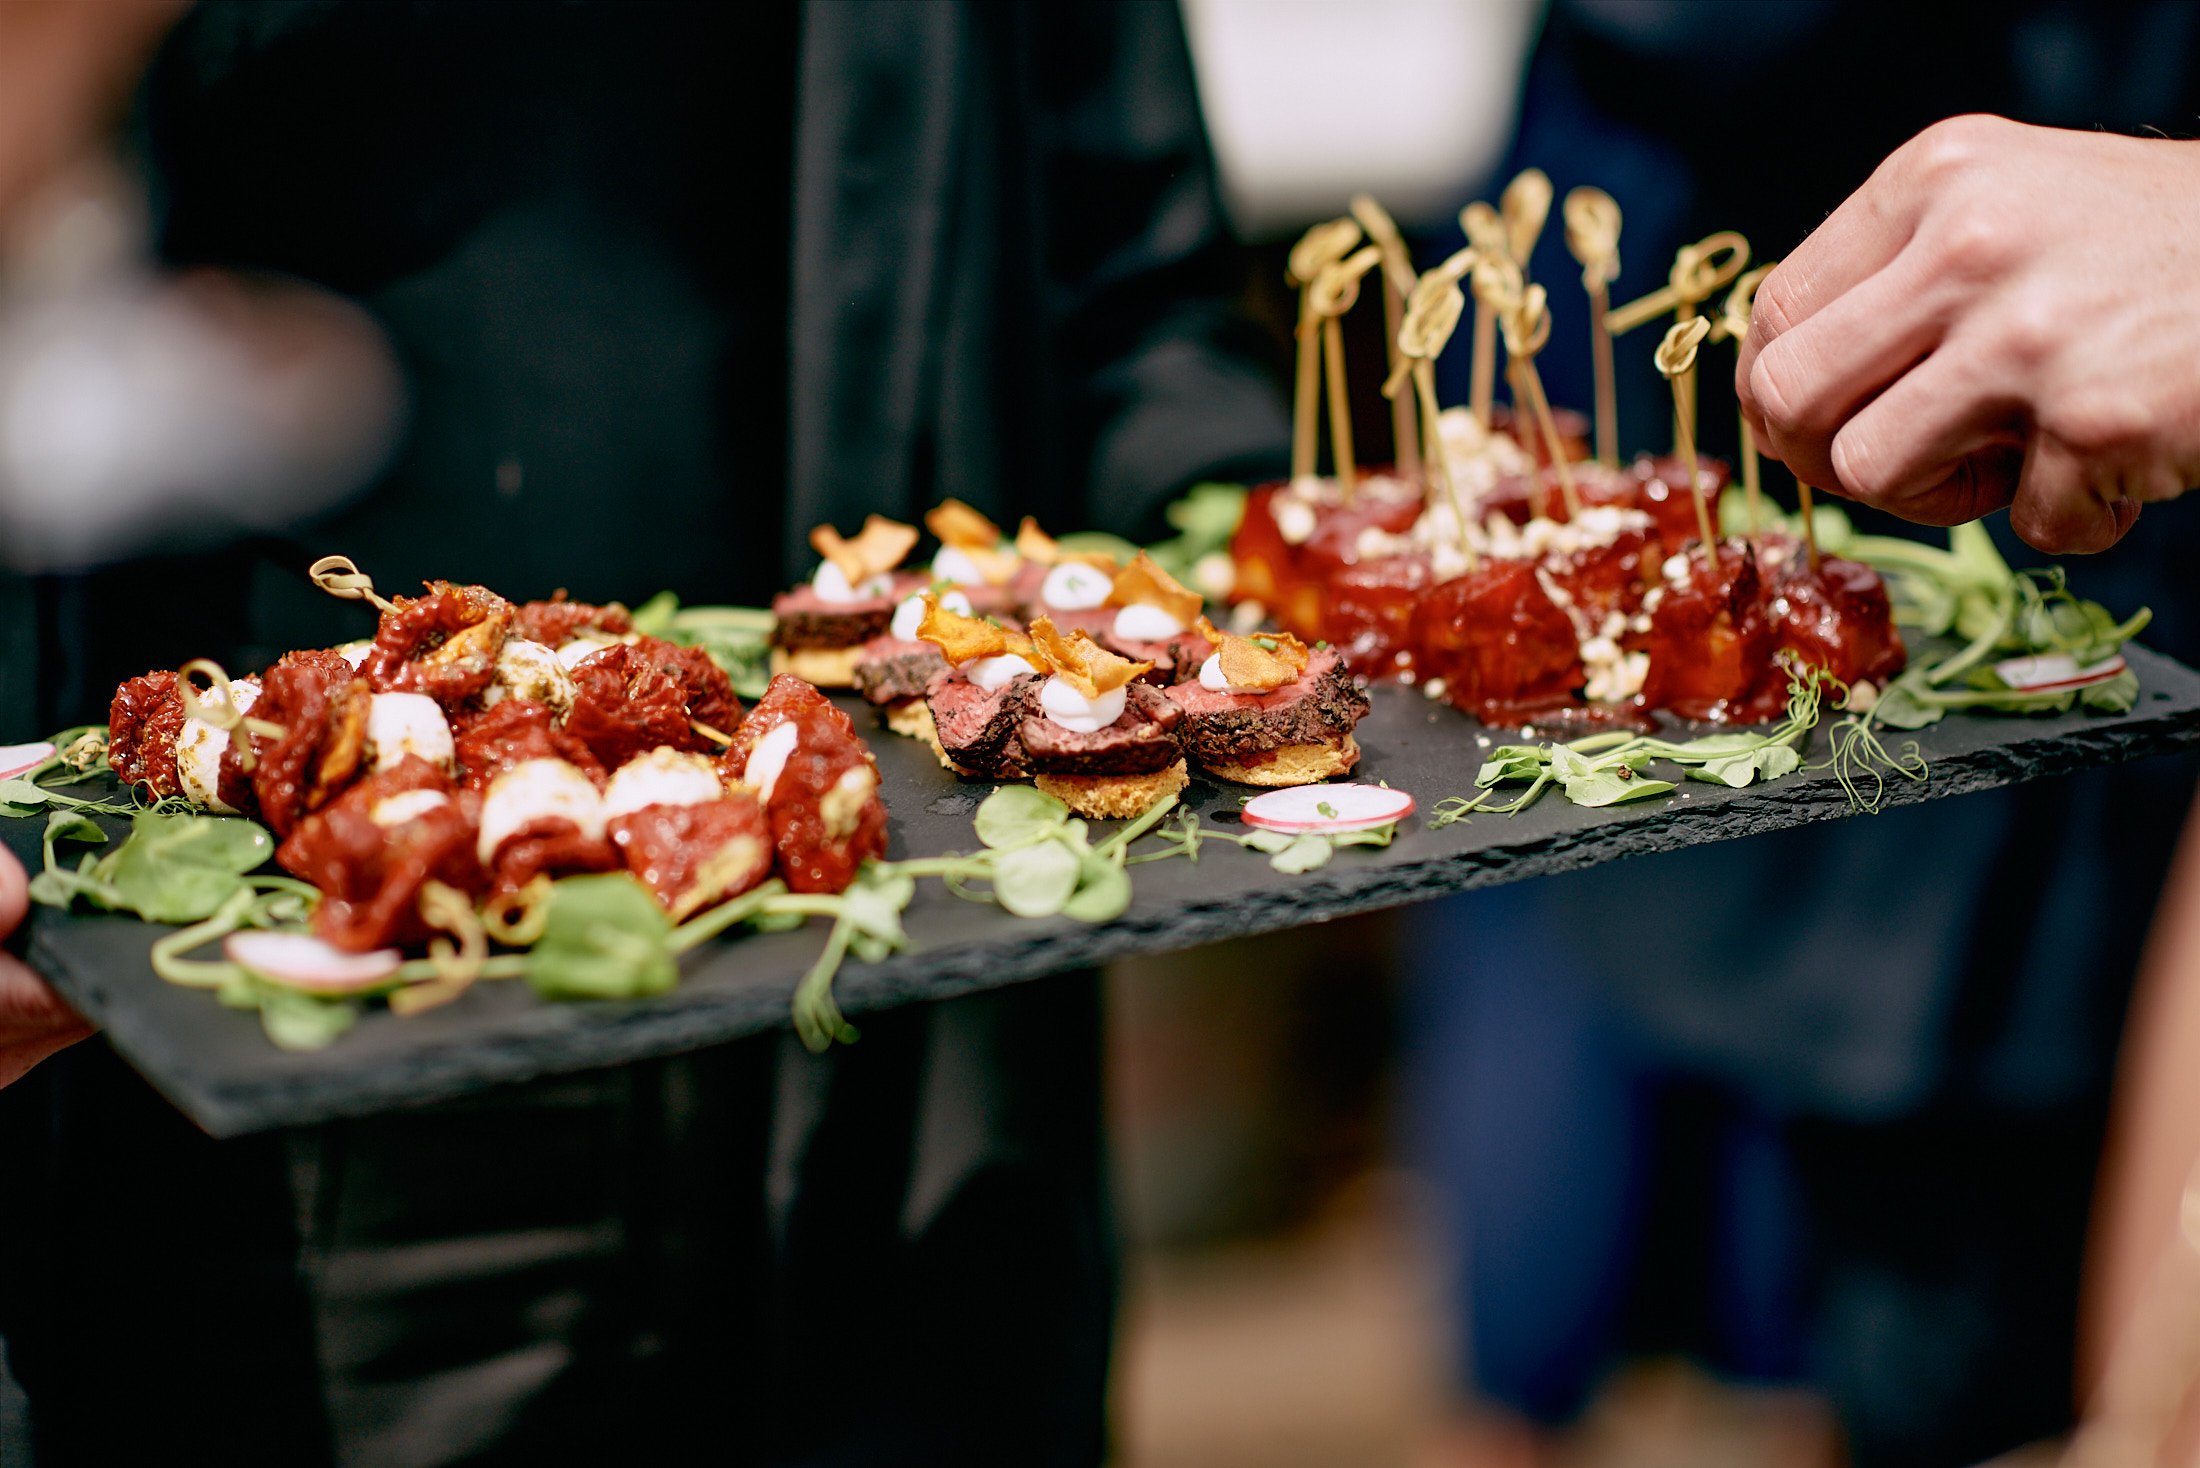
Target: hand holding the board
<point x="2001" y="315"/>
<point x="34" y="1023"/>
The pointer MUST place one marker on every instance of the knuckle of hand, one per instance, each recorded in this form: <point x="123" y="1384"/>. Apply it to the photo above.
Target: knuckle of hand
<point x="2098" y="424"/>
<point x="1951" y="146"/>
<point x="1977" y="241"/>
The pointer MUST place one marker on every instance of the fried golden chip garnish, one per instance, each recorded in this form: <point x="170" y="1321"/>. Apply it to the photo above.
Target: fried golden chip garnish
<point x="1144" y="584"/>
<point x="1034" y="544"/>
<point x="878" y="548"/>
<point x="962" y="639"/>
<point x="958" y="525"/>
<point x="997" y="566"/>
<point x="1080" y="662"/>
<point x="1261" y="663"/>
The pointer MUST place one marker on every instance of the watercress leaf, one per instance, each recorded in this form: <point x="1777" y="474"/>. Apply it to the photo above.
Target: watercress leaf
<point x="603" y="937"/>
<point x="1605" y="787"/>
<point x="181" y="868"/>
<point x="21" y="797"/>
<point x="652" y="617"/>
<point x="1768" y="762"/>
<point x="55" y="887"/>
<point x="296" y="1021"/>
<point x="1037" y="880"/>
<point x="1015" y="815"/>
<point x="1901" y="707"/>
<point x="1713" y="746"/>
<point x="1511" y="762"/>
<point x="1373" y="836"/>
<point x="1103" y="892"/>
<point x="1568" y="764"/>
<point x="2115" y="696"/>
<point x="1261" y="840"/>
<point x="1303" y="855"/>
<point x="874" y="903"/>
<point x="70" y="825"/>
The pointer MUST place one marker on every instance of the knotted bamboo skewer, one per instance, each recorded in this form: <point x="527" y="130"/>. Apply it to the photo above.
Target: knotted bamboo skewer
<point x="1676" y="358"/>
<point x="1733" y="325"/>
<point x="1485" y="232"/>
<point x="1698" y="270"/>
<point x="1592" y="235"/>
<point x="1432" y="313"/>
<point x="1332" y="294"/>
<point x="1398" y="283"/>
<point x="1319" y="248"/>
<point x="1527" y="327"/>
<point x="340" y="577"/>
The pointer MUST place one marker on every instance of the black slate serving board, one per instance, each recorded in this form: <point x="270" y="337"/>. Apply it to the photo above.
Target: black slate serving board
<point x="217" y="1066"/>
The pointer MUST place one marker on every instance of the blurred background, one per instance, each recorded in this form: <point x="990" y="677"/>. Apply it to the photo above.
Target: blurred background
<point x="1778" y="1155"/>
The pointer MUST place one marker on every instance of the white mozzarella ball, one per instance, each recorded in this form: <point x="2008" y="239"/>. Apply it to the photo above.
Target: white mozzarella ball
<point x="399" y="724"/>
<point x="664" y="776"/>
<point x="761" y="773"/>
<point x="534" y="790"/>
<point x="200" y="746"/>
<point x="530" y="670"/>
<point x="408" y="805"/>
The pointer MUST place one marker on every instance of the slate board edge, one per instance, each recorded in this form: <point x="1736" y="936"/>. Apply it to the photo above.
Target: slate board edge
<point x="616" y="1034"/>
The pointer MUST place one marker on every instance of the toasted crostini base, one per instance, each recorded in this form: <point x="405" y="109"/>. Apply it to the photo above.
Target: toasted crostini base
<point x="821" y="667"/>
<point x="1113" y="797"/>
<point x="1293" y="764"/>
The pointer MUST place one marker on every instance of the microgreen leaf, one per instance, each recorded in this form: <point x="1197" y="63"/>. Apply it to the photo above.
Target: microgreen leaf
<point x="1767" y="762"/>
<point x="1103" y="891"/>
<point x="2116" y="696"/>
<point x="1608" y="787"/>
<point x="1018" y="815"/>
<point x="604" y="937"/>
<point x="1036" y="881"/>
<point x="1303" y="855"/>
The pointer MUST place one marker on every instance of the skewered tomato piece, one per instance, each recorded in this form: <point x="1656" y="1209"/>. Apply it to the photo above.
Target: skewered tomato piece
<point x="1370" y="613"/>
<point x="444" y="644"/>
<point x="542" y="815"/>
<point x="511" y="733"/>
<point x="371" y="849"/>
<point x="321" y="705"/>
<point x="555" y="622"/>
<point x="693" y="856"/>
<point x="710" y="697"/>
<point x="1504" y="650"/>
<point x="817" y="781"/>
<point x="625" y="703"/>
<point x="1710" y="644"/>
<point x="1267" y="563"/>
<point x="1837" y="617"/>
<point x="143" y="723"/>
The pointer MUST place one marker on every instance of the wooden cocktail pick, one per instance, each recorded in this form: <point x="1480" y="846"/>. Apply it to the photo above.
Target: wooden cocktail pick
<point x="1810" y="521"/>
<point x="1332" y="294"/>
<point x="1398" y="283"/>
<point x="1698" y="270"/>
<point x="1592" y="235"/>
<point x="1320" y="247"/>
<point x="1676" y="359"/>
<point x="1485" y="231"/>
<point x="1527" y="327"/>
<point x="1432" y="313"/>
<point x="1733" y="325"/>
<point x="1525" y="206"/>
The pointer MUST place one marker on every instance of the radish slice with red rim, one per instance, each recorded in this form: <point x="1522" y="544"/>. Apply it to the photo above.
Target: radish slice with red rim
<point x="2051" y="670"/>
<point x="1327" y="810"/>
<point x="302" y="961"/>
<point x="16" y="758"/>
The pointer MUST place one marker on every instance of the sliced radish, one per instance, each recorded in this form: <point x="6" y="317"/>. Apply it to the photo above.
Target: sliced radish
<point x="16" y="758"/>
<point x="1327" y="810"/>
<point x="303" y="961"/>
<point x="2050" y="670"/>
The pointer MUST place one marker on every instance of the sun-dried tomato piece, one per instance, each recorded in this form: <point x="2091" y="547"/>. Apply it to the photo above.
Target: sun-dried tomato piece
<point x="321" y="706"/>
<point x="142" y="725"/>
<point x="692" y="856"/>
<point x="515" y="731"/>
<point x="710" y="696"/>
<point x="371" y="849"/>
<point x="555" y="622"/>
<point x="444" y="644"/>
<point x="553" y="845"/>
<point x="826" y="815"/>
<point x="785" y="698"/>
<point x="624" y="705"/>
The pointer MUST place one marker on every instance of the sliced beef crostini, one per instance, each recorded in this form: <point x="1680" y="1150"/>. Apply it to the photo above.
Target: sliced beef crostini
<point x="1266" y="710"/>
<point x="1154" y="622"/>
<point x="895" y="668"/>
<point x="973" y="558"/>
<point x="819" y="628"/>
<point x="988" y="683"/>
<point x="1100" y="741"/>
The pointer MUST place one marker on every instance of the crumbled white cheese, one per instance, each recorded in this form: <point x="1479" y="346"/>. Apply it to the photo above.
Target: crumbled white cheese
<point x="1294" y="519"/>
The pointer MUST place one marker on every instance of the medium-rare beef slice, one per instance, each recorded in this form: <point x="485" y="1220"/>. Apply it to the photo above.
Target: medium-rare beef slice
<point x="802" y="618"/>
<point x="889" y="670"/>
<point x="1141" y="741"/>
<point x="1319" y="707"/>
<point x="980" y="728"/>
<point x="1174" y="659"/>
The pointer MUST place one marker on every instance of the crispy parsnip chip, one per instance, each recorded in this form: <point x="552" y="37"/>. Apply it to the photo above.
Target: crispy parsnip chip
<point x="1034" y="544"/>
<point x="1144" y="584"/>
<point x="962" y="639"/>
<point x="1080" y="662"/>
<point x="958" y="525"/>
<point x="1256" y="664"/>
<point x="878" y="548"/>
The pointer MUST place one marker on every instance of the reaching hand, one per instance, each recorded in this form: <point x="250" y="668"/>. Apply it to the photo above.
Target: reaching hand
<point x="2001" y="315"/>
<point x="34" y="1023"/>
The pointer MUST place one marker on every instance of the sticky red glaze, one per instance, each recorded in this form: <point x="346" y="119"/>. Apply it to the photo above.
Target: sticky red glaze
<point x="1837" y="617"/>
<point x="1710" y="644"/>
<point x="1369" y="616"/>
<point x="1608" y="578"/>
<point x="515" y="731"/>
<point x="444" y="644"/>
<point x="1504" y="649"/>
<point x="1514" y="495"/>
<point x="668" y="847"/>
<point x="1662" y="494"/>
<point x="370" y="875"/>
<point x="142" y="725"/>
